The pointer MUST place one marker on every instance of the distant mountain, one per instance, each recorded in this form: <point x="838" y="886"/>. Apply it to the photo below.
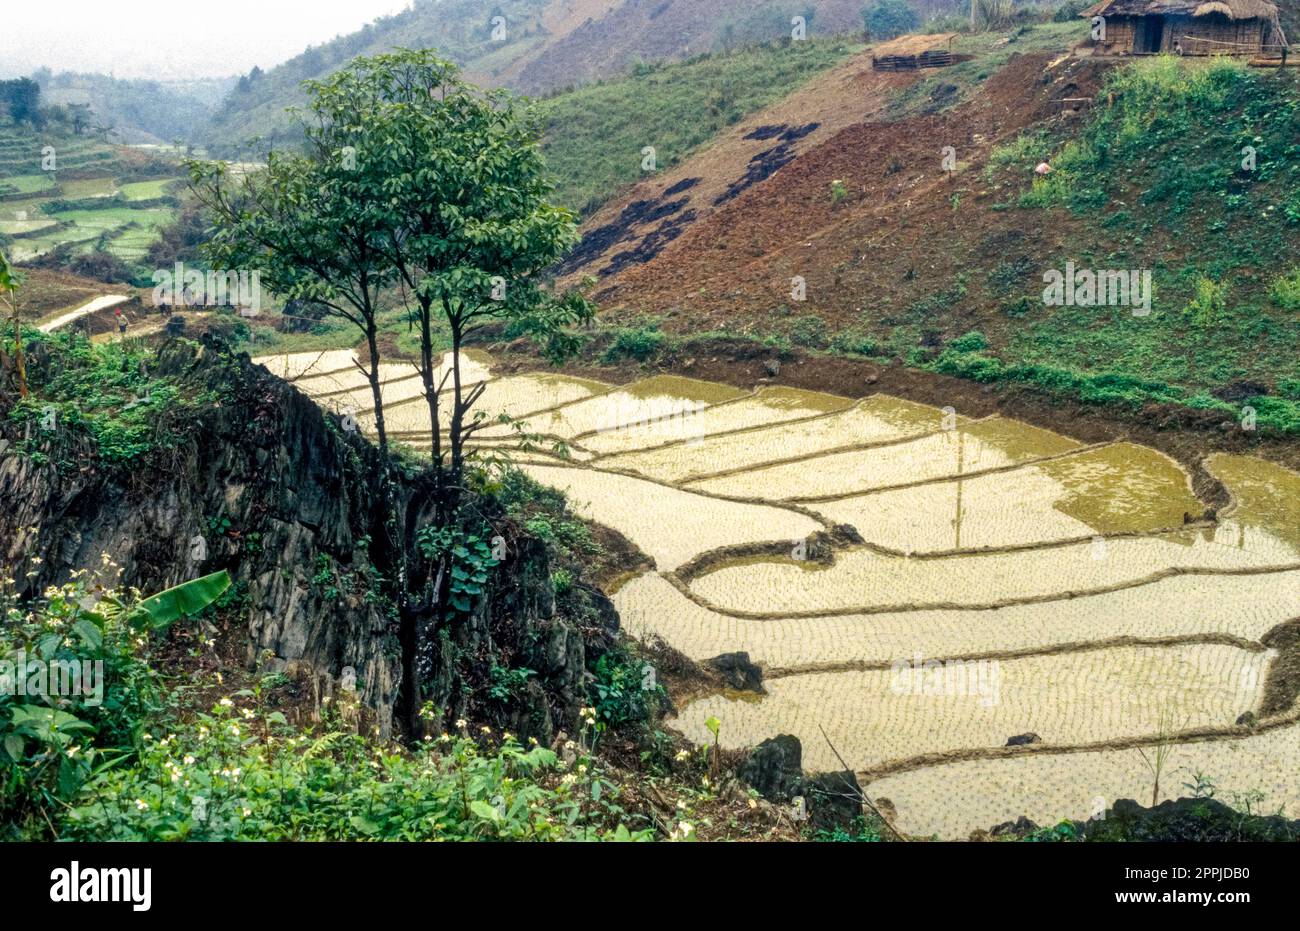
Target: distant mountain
<point x="532" y="46"/>
<point x="140" y="111"/>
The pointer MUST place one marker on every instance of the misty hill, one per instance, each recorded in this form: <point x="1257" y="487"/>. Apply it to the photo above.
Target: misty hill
<point x="139" y="111"/>
<point x="534" y="47"/>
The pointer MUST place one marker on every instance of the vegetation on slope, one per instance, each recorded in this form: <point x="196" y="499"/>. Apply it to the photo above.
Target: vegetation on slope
<point x="103" y="393"/>
<point x="594" y="135"/>
<point x="1159" y="177"/>
<point x="138" y="111"/>
<point x="76" y="202"/>
<point x="1150" y="177"/>
<point x="543" y="47"/>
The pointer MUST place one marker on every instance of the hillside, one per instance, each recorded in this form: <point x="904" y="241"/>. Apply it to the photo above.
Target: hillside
<point x="901" y="259"/>
<point x="76" y="195"/>
<point x="594" y="135"/>
<point x="895" y="440"/>
<point x="139" y="112"/>
<point x="546" y="45"/>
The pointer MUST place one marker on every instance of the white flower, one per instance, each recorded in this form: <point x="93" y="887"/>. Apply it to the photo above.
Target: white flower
<point x="141" y="804"/>
<point x="226" y="703"/>
<point x="188" y="760"/>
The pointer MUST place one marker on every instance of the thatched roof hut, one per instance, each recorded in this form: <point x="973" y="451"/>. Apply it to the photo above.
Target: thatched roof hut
<point x="1188" y="27"/>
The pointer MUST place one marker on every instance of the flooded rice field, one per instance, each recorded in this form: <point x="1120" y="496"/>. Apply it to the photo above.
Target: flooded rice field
<point x="998" y="580"/>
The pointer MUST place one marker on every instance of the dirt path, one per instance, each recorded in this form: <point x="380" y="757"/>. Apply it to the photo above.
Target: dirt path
<point x="100" y="303"/>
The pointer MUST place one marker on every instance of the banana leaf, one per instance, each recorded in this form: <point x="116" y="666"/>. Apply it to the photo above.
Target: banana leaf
<point x="186" y="599"/>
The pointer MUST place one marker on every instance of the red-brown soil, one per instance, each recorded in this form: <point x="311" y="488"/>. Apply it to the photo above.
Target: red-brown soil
<point x="899" y="233"/>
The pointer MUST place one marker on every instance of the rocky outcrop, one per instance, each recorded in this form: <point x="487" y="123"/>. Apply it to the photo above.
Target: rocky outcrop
<point x="775" y="768"/>
<point x="1186" y="819"/>
<point x="1199" y="820"/>
<point x="831" y="801"/>
<point x="270" y="489"/>
<point x="738" y="672"/>
<point x="834" y="801"/>
<point x="1021" y="827"/>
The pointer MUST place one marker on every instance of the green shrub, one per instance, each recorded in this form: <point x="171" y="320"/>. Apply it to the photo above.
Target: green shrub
<point x="624" y="690"/>
<point x="973" y="341"/>
<point x="885" y="19"/>
<point x="104" y="391"/>
<point x="1285" y="291"/>
<point x="809" y="331"/>
<point x="54" y="736"/>
<point x="1208" y="305"/>
<point x="641" y="343"/>
<point x="854" y="344"/>
<point x="545" y="514"/>
<point x="970" y="365"/>
<point x="243" y="774"/>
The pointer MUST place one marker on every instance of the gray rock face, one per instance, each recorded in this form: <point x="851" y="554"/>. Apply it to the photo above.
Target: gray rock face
<point x="738" y="672"/>
<point x="1021" y="827"/>
<point x="263" y="490"/>
<point x="775" y="768"/>
<point x="830" y="800"/>
<point x="834" y="800"/>
<point x="271" y="491"/>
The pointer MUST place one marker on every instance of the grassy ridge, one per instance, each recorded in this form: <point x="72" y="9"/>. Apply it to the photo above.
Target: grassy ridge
<point x="1158" y="176"/>
<point x="595" y="134"/>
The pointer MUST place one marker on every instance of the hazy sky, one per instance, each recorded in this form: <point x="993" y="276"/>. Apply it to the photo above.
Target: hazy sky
<point x="170" y="39"/>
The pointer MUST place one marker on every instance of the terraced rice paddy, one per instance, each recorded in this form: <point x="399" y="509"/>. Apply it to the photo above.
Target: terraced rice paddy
<point x="120" y="216"/>
<point x="1008" y="580"/>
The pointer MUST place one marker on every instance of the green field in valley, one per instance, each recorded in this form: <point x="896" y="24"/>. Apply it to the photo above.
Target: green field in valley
<point x="99" y="197"/>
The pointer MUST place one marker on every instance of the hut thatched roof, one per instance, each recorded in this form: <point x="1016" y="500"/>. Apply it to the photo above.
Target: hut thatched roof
<point x="914" y="44"/>
<point x="1233" y="9"/>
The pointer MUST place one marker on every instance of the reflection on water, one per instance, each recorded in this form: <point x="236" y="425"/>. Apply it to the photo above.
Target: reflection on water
<point x="1114" y="489"/>
<point x="1267" y="498"/>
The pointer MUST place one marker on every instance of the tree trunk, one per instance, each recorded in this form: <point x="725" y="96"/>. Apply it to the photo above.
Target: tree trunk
<point x="456" y="438"/>
<point x="427" y="375"/>
<point x="376" y="392"/>
<point x="20" y="364"/>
